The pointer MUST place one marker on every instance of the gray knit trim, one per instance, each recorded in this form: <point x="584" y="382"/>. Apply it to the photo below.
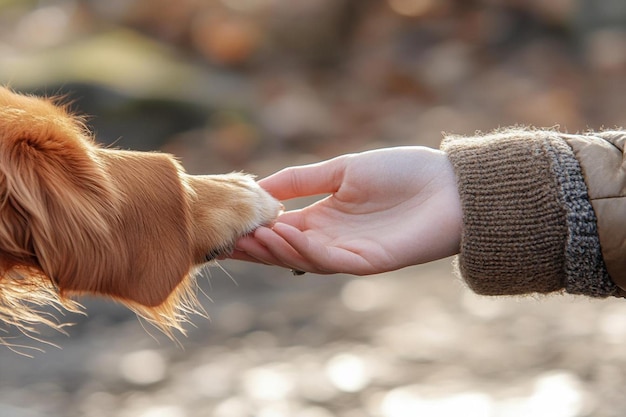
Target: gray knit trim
<point x="585" y="271"/>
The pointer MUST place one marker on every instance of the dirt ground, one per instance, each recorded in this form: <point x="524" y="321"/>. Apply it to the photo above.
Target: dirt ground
<point x="414" y="342"/>
<point x="260" y="85"/>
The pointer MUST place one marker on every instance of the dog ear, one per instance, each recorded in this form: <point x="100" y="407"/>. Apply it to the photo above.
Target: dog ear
<point x="52" y="182"/>
<point x="52" y="201"/>
<point x="76" y="219"/>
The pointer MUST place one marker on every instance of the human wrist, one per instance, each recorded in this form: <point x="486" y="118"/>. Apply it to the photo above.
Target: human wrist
<point x="454" y="209"/>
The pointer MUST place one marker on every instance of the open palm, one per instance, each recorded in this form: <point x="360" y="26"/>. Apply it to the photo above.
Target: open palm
<point x="386" y="209"/>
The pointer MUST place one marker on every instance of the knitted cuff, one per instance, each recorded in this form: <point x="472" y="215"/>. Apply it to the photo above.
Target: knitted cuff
<point x="528" y="224"/>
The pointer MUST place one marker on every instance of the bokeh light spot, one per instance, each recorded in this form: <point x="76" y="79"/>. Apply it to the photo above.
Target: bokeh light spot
<point x="348" y="372"/>
<point x="143" y="367"/>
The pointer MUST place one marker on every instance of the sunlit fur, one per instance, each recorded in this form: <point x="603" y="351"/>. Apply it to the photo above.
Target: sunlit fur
<point x="76" y="218"/>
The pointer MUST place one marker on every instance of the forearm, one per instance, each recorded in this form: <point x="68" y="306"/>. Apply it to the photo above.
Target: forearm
<point x="529" y="225"/>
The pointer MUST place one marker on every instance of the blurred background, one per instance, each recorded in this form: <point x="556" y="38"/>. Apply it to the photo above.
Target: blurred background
<point x="257" y="85"/>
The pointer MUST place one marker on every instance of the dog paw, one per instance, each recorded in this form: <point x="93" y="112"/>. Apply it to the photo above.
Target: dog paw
<point x="224" y="208"/>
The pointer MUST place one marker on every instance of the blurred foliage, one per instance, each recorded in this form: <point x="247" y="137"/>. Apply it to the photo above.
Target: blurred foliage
<point x="319" y="77"/>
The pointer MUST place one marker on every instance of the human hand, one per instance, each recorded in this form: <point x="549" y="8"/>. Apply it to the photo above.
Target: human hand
<point x="387" y="209"/>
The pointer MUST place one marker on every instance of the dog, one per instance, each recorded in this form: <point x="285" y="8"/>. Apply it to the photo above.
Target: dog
<point x="77" y="218"/>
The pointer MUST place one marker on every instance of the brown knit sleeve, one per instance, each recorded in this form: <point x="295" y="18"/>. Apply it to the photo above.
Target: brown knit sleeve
<point x="528" y="225"/>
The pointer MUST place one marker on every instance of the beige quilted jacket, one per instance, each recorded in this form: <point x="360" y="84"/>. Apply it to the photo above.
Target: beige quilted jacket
<point x="543" y="211"/>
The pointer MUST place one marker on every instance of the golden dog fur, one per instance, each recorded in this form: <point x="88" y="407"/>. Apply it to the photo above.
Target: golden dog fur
<point x="76" y="218"/>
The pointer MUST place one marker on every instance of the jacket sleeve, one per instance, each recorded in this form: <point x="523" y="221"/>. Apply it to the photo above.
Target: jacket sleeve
<point x="540" y="211"/>
<point x="601" y="158"/>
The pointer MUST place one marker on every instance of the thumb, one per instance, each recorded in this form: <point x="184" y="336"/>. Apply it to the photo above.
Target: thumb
<point x="306" y="180"/>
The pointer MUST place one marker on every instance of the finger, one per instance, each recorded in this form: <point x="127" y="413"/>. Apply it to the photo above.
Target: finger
<point x="306" y="248"/>
<point x="252" y="249"/>
<point x="249" y="248"/>
<point x="326" y="259"/>
<point x="241" y="256"/>
<point x="294" y="218"/>
<point x="283" y="251"/>
<point x="307" y="180"/>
